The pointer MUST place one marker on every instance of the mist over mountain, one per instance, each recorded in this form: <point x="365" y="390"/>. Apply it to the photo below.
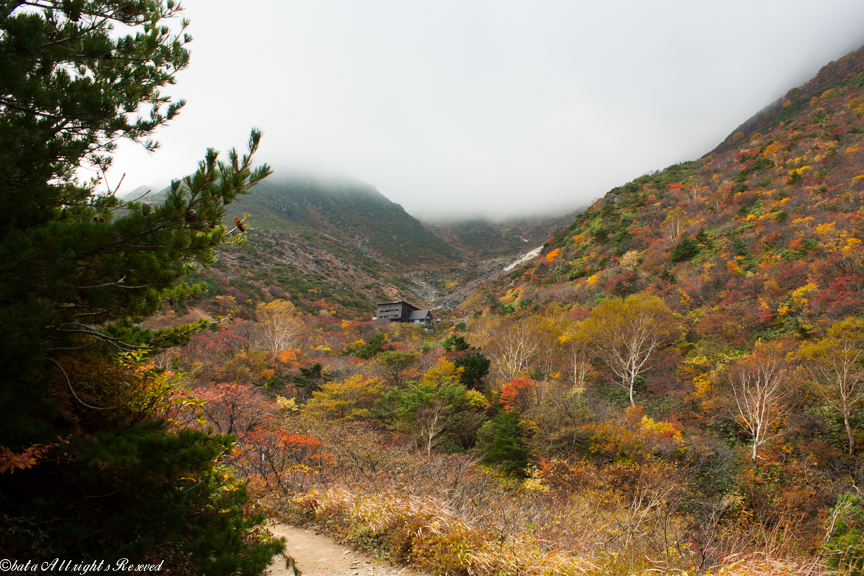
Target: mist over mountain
<point x="348" y="209"/>
<point x="485" y="238"/>
<point x="734" y="238"/>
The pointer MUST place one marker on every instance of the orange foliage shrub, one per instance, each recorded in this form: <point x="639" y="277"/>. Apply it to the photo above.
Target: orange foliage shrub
<point x="290" y="356"/>
<point x="551" y="256"/>
<point x="279" y="460"/>
<point x="519" y="394"/>
<point x="634" y="438"/>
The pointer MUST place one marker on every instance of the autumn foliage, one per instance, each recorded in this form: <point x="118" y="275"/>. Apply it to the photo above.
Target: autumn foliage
<point x="519" y="394"/>
<point x="675" y="386"/>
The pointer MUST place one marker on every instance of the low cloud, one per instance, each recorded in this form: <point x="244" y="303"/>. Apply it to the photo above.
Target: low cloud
<point x="487" y="107"/>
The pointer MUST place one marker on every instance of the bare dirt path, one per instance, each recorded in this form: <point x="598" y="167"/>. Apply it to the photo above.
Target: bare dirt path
<point x="319" y="555"/>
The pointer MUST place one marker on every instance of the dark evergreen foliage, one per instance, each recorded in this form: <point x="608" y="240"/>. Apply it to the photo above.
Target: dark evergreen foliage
<point x="475" y="366"/>
<point x="507" y="448"/>
<point x="373" y="347"/>
<point x="80" y="268"/>
<point x="455" y="343"/>
<point x="686" y="249"/>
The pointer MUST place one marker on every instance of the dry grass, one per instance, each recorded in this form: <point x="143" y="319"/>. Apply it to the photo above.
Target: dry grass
<point x="448" y="515"/>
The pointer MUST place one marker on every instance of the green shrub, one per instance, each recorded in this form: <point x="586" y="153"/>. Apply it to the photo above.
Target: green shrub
<point x="373" y="347"/>
<point x="845" y="545"/>
<point x="686" y="249"/>
<point x="455" y="343"/>
<point x="506" y="447"/>
<point x="793" y="179"/>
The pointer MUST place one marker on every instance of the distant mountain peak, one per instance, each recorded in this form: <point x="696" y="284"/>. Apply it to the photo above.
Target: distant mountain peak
<point x="348" y="209"/>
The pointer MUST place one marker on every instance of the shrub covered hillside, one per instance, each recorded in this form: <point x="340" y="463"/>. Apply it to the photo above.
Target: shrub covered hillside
<point x="675" y="386"/>
<point x="349" y="210"/>
<point x="760" y="241"/>
<point x="753" y="259"/>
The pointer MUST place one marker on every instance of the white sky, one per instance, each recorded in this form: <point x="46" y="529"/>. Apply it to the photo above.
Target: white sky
<point x="486" y="107"/>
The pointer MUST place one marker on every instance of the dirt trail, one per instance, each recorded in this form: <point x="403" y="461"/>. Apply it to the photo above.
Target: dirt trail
<point x="319" y="555"/>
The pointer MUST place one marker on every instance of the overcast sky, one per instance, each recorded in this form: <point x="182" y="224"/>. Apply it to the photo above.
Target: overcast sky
<point x="492" y="107"/>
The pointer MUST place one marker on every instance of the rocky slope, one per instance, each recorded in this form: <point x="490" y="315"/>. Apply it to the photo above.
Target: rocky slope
<point x="480" y="238"/>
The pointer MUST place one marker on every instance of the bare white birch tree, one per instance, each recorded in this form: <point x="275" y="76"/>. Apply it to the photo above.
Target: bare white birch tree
<point x="579" y="352"/>
<point x="582" y="368"/>
<point x="759" y="387"/>
<point x="516" y="347"/>
<point x="695" y="191"/>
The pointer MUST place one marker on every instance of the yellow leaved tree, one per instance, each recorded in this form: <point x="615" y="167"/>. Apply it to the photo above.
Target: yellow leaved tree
<point x="836" y="365"/>
<point x="278" y="324"/>
<point x="346" y="399"/>
<point x="625" y="334"/>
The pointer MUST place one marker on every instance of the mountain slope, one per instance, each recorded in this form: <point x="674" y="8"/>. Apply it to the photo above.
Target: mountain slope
<point x="847" y="72"/>
<point x="760" y="239"/>
<point x="350" y="211"/>
<point x="318" y="273"/>
<point x="342" y="246"/>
